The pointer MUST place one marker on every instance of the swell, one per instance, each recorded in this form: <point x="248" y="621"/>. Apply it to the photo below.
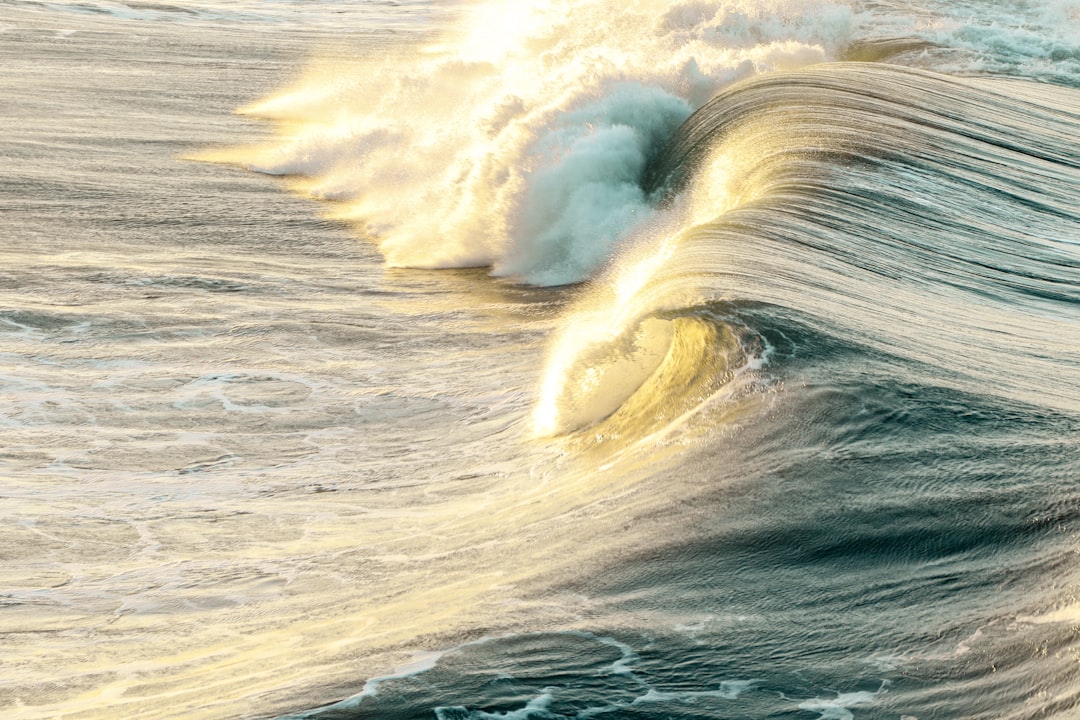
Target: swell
<point x="921" y="217"/>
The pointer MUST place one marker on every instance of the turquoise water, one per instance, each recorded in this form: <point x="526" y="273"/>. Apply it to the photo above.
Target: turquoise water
<point x="681" y="360"/>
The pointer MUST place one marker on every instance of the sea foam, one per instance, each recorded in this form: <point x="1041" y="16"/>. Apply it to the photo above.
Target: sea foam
<point x="518" y="139"/>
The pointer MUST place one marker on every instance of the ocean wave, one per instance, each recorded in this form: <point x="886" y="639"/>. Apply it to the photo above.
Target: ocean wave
<point x="686" y="157"/>
<point x="921" y="217"/>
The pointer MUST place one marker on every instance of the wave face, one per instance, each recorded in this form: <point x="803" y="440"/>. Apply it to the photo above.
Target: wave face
<point x="897" y="253"/>
<point x="923" y="217"/>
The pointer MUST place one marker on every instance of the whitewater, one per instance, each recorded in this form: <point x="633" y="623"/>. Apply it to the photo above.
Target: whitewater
<point x="539" y="360"/>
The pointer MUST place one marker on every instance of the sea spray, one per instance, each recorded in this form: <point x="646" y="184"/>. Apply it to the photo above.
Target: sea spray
<point x="517" y="140"/>
<point x="586" y="194"/>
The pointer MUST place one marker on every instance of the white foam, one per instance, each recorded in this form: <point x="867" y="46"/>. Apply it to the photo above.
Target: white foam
<point x="838" y="708"/>
<point x="1038" y="40"/>
<point x="531" y="709"/>
<point x="1069" y="614"/>
<point x="519" y="139"/>
<point x="728" y="690"/>
<point x="420" y="664"/>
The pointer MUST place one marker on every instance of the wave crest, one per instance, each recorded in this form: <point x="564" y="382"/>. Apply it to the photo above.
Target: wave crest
<point x="518" y="139"/>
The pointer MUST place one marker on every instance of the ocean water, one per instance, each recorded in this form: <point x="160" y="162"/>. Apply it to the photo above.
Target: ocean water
<point x="535" y="361"/>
